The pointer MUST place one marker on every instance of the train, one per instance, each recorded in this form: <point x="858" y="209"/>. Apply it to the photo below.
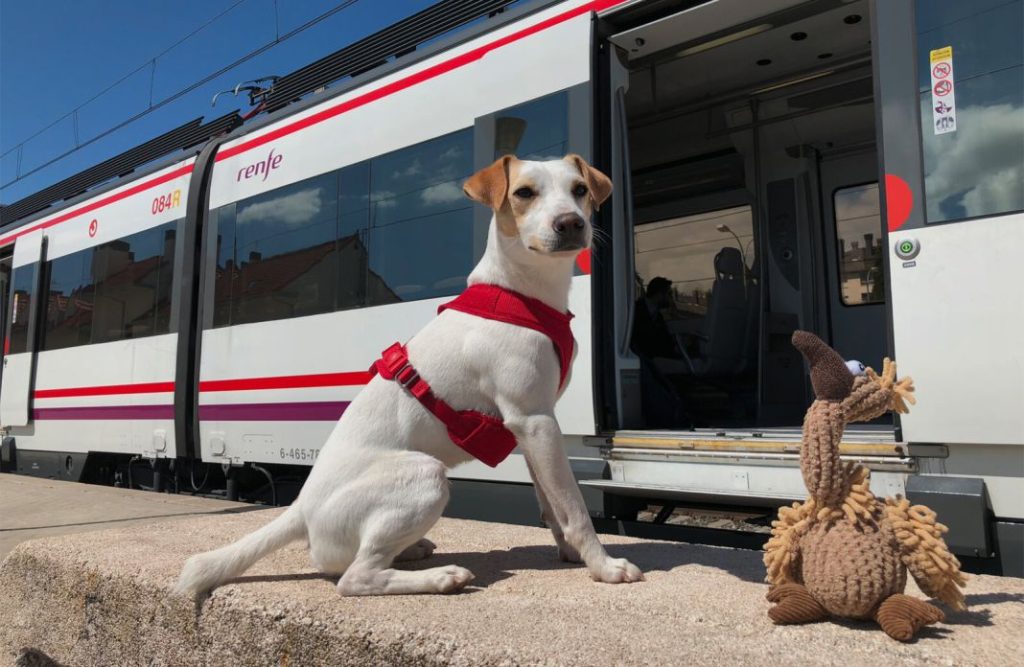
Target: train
<point x="206" y="305"/>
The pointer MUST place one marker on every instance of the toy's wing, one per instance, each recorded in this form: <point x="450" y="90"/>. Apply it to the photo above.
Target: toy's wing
<point x="782" y="551"/>
<point x="873" y="395"/>
<point x="925" y="553"/>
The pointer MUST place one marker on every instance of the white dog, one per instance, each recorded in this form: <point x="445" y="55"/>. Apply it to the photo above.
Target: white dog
<point x="380" y="481"/>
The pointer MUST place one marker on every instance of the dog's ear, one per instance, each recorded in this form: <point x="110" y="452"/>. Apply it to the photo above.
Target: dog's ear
<point x="600" y="186"/>
<point x="489" y="186"/>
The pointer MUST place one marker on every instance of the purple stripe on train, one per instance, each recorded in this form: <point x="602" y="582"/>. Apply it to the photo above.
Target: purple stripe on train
<point x="106" y="412"/>
<point x="273" y="412"/>
<point x="236" y="412"/>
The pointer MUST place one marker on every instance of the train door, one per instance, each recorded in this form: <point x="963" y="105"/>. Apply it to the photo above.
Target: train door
<point x="19" y="337"/>
<point x="953" y="156"/>
<point x="750" y="159"/>
<point x="5" y="297"/>
<point x="853" y="237"/>
<point x="748" y="136"/>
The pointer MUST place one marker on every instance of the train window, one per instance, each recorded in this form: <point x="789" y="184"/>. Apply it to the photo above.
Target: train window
<point x="116" y="290"/>
<point x="23" y="283"/>
<point x="421" y="238"/>
<point x="5" y="289"/>
<point x="859" y="235"/>
<point x="536" y="130"/>
<point x="685" y="250"/>
<point x="393" y="228"/>
<point x="976" y="169"/>
<point x="71" y="296"/>
<point x="353" y="223"/>
<point x="284" y="262"/>
<point x="133" y="278"/>
<point x="166" y="237"/>
<point x="223" y="220"/>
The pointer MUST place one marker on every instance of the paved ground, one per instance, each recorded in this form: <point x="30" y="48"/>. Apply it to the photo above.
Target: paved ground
<point x="101" y="598"/>
<point x="32" y="507"/>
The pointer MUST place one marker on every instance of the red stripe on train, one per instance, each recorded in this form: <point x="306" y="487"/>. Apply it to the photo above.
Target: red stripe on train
<point x="413" y="79"/>
<point x="287" y="382"/>
<point x="88" y="208"/>
<point x="366" y="98"/>
<point x="107" y="390"/>
<point x="236" y="384"/>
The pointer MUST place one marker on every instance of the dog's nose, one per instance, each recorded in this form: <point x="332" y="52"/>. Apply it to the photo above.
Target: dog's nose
<point x="568" y="223"/>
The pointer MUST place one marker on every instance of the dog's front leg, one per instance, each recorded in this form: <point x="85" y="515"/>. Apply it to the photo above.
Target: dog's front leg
<point x="565" y="552"/>
<point x="541" y="440"/>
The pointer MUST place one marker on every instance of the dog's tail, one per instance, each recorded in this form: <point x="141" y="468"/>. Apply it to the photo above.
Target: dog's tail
<point x="206" y="571"/>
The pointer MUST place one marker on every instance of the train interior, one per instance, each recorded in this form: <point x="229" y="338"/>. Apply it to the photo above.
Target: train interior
<point x="755" y="208"/>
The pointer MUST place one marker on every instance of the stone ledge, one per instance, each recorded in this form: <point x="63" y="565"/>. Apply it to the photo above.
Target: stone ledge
<point x="101" y="598"/>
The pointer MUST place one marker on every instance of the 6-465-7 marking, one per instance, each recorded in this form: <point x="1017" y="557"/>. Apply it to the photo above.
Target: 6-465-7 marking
<point x="298" y="454"/>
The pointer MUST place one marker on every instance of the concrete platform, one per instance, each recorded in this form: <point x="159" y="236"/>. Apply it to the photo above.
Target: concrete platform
<point x="33" y="507"/>
<point x="101" y="598"/>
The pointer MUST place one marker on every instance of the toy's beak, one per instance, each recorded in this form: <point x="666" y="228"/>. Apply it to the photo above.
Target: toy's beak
<point x="831" y="379"/>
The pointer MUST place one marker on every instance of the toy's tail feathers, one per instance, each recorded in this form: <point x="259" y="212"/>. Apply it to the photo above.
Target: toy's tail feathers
<point x="928" y="559"/>
<point x="206" y="571"/>
<point x="780" y="552"/>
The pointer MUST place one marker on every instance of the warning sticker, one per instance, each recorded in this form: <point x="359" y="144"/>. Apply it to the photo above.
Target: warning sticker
<point x="943" y="97"/>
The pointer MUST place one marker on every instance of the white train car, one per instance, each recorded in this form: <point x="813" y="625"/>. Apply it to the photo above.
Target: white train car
<point x="91" y="367"/>
<point x="349" y="218"/>
<point x="852" y="167"/>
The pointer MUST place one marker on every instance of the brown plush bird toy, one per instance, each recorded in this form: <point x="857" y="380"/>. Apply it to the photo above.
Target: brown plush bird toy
<point x="842" y="552"/>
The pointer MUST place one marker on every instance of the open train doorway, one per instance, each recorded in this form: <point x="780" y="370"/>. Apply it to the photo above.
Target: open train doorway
<point x="754" y="209"/>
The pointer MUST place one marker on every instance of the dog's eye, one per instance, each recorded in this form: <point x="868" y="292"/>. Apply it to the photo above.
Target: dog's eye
<point x="524" y="193"/>
<point x="579" y="190"/>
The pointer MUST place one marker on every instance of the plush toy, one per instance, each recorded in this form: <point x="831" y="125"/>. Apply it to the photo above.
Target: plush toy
<point x="842" y="552"/>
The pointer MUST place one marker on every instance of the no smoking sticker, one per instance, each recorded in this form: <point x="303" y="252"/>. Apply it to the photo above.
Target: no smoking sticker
<point x="943" y="96"/>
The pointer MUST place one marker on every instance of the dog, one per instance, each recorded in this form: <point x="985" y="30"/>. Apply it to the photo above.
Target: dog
<point x="380" y="483"/>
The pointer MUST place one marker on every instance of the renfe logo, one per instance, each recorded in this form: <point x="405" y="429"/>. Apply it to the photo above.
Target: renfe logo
<point x="262" y="167"/>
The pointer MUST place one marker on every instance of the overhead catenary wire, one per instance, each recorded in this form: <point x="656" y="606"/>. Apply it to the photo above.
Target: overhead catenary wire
<point x="150" y="62"/>
<point x="19" y="176"/>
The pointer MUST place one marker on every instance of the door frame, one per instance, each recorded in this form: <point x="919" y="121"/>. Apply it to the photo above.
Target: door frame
<point x="829" y="183"/>
<point x="16" y="401"/>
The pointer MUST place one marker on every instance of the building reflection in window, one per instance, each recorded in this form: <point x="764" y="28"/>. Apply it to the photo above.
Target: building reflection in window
<point x="859" y="236"/>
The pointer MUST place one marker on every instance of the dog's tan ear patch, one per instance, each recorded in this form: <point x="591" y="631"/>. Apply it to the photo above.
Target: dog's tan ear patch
<point x="600" y="186"/>
<point x="489" y="186"/>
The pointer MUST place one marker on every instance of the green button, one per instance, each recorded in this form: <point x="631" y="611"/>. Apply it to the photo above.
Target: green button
<point x="907" y="248"/>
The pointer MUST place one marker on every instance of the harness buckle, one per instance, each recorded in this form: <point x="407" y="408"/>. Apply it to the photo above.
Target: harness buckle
<point x="394" y="365"/>
<point x="483" y="436"/>
<point x="392" y="361"/>
<point x="407" y="376"/>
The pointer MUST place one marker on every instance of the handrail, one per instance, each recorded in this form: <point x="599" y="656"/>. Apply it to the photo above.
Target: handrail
<point x="627" y="210"/>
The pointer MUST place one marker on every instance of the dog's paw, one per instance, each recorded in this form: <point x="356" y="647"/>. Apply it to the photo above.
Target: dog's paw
<point x="422" y="549"/>
<point x="618" y="571"/>
<point x="568" y="554"/>
<point x="451" y="578"/>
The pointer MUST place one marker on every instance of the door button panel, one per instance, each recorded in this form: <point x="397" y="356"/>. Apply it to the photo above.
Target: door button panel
<point x="907" y="249"/>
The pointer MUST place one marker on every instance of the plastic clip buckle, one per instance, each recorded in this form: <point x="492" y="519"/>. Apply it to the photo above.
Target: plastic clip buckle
<point x="407" y="376"/>
<point x="391" y="361"/>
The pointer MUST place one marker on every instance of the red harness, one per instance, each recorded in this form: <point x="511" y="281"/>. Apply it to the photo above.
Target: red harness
<point x="483" y="436"/>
